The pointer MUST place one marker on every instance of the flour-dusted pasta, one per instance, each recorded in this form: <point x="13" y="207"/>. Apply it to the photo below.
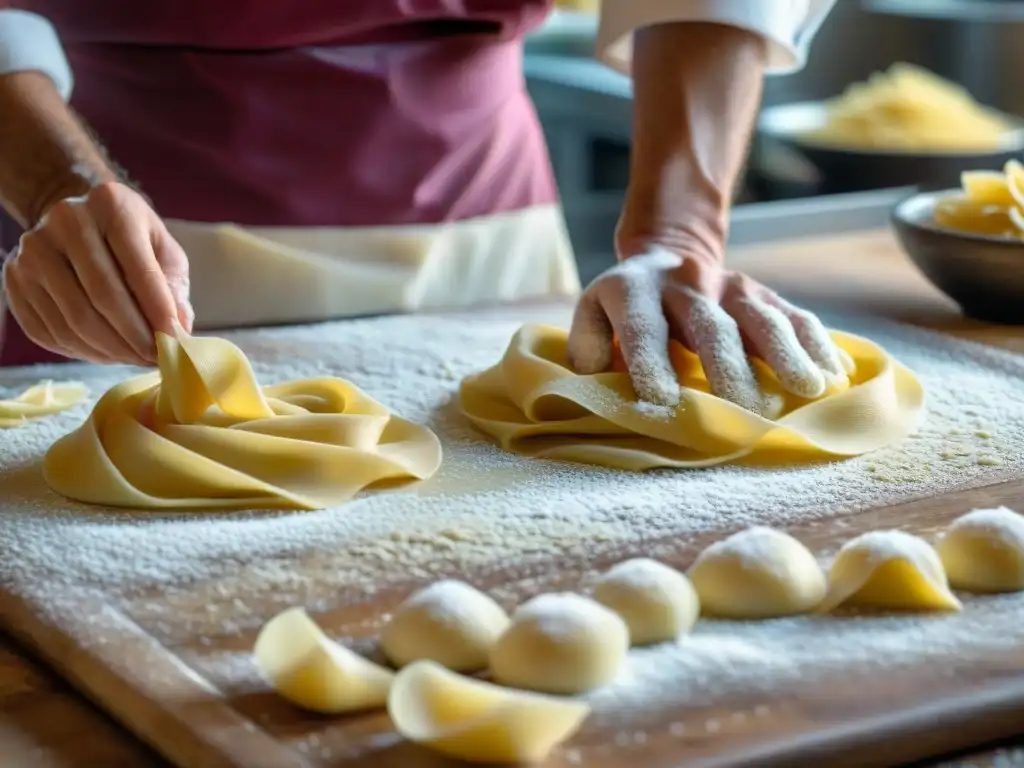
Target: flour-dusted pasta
<point x="889" y="569"/>
<point x="202" y="433"/>
<point x="983" y="551"/>
<point x="43" y="399"/>
<point x="314" y="672"/>
<point x="657" y="602"/>
<point x="449" y="622"/>
<point x="758" y="573"/>
<point x="479" y="722"/>
<point x="532" y="403"/>
<point x="560" y="643"/>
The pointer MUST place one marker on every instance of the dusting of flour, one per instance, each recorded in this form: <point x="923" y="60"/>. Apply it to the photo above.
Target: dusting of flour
<point x="209" y="572"/>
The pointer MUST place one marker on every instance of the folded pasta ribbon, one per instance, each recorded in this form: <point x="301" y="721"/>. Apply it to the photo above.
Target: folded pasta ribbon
<point x="533" y="403"/>
<point x="202" y="433"/>
<point x="43" y="399"/>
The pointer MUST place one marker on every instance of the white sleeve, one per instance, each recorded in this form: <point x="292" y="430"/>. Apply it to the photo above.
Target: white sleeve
<point x="28" y="42"/>
<point x="787" y="25"/>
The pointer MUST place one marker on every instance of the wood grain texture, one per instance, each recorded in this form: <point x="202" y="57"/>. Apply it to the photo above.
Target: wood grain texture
<point x="175" y="695"/>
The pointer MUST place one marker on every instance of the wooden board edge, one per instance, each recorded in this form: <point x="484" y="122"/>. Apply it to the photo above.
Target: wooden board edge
<point x="118" y="676"/>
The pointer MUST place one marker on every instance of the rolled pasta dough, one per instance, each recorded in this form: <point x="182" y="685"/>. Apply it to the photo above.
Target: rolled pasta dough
<point x="202" y="433"/>
<point x="448" y="622"/>
<point x="657" y="602"/>
<point x="314" y="672"/>
<point x="43" y="399"/>
<point x="533" y="403"/>
<point x="983" y="551"/>
<point x="758" y="573"/>
<point x="560" y="643"/>
<point x="479" y="722"/>
<point x="889" y="569"/>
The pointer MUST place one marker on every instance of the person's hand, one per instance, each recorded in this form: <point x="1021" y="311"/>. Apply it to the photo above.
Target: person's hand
<point x="723" y="316"/>
<point x="97" y="276"/>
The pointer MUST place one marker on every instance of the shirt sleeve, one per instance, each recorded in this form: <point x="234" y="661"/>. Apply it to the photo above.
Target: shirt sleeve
<point x="788" y="26"/>
<point x="28" y="42"/>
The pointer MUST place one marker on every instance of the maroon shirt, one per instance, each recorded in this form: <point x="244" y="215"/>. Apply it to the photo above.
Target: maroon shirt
<point x="308" y="112"/>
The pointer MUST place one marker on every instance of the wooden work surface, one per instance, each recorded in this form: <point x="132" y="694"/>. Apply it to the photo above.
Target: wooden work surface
<point x="118" y="660"/>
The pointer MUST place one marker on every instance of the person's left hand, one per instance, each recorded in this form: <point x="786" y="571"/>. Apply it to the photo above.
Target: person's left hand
<point x="721" y="315"/>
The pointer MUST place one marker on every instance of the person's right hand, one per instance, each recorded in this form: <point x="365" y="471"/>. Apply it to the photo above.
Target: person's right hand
<point x="97" y="277"/>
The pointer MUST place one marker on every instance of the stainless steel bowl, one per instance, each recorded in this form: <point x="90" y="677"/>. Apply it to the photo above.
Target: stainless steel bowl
<point x="984" y="275"/>
<point x="790" y="164"/>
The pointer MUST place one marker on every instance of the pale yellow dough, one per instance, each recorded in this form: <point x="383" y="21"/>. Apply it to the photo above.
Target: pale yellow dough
<point x="758" y="573"/>
<point x="478" y="722"/>
<point x="202" y="433"/>
<point x="532" y="403"/>
<point x="983" y="551"/>
<point x="560" y="643"/>
<point x="889" y="569"/>
<point x="42" y="399"/>
<point x="314" y="672"/>
<point x="657" y="602"/>
<point x="448" y="622"/>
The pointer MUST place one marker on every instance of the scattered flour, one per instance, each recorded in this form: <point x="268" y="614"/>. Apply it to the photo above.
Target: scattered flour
<point x="484" y="506"/>
<point x="191" y="576"/>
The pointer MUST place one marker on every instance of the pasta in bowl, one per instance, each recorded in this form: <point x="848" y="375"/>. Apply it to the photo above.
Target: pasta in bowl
<point x="900" y="127"/>
<point x="969" y="241"/>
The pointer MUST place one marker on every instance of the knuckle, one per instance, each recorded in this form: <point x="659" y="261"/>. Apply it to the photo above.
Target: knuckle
<point x="106" y="196"/>
<point x="61" y="215"/>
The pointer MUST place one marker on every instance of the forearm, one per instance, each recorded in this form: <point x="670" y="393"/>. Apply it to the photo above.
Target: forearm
<point x="697" y="88"/>
<point x="46" y="153"/>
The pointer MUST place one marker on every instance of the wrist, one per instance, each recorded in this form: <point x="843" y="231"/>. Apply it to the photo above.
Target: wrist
<point x="687" y="228"/>
<point x="78" y="181"/>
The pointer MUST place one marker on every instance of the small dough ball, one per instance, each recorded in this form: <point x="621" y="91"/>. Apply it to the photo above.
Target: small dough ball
<point x="657" y="602"/>
<point x="891" y="570"/>
<point x="448" y="622"/>
<point x="560" y="643"/>
<point x="758" y="573"/>
<point x="983" y="551"/>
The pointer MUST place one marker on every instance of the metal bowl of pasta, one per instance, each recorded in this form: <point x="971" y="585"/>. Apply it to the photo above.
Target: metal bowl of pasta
<point x="901" y="127"/>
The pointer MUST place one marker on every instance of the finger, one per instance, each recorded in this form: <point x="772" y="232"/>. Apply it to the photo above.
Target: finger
<point x="94" y="332"/>
<point x="29" y="320"/>
<point x="715" y="337"/>
<point x="813" y="336"/>
<point x="65" y="335"/>
<point x="132" y="249"/>
<point x="633" y="307"/>
<point x="174" y="264"/>
<point x="777" y="344"/>
<point x="100" y="276"/>
<point x="591" y="345"/>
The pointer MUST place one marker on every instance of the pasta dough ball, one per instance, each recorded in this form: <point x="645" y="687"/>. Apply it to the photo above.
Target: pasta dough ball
<point x="657" y="603"/>
<point x="449" y="622"/>
<point x="758" y="573"/>
<point x="889" y="569"/>
<point x="560" y="643"/>
<point x="479" y="722"/>
<point x="314" y="672"/>
<point x="983" y="551"/>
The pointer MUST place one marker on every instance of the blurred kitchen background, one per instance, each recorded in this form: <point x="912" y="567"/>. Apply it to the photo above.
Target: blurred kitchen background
<point x="585" y="108"/>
